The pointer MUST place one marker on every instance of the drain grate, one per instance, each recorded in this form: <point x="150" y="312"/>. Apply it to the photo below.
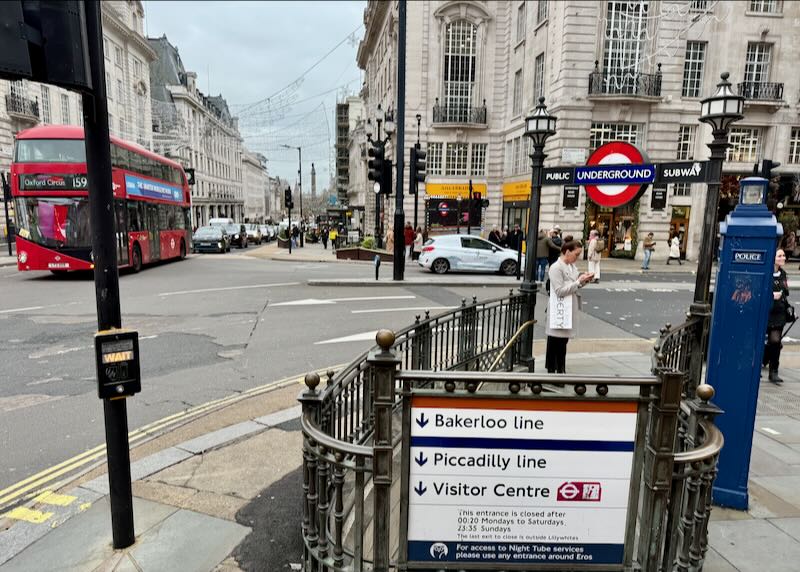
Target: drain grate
<point x="778" y="401"/>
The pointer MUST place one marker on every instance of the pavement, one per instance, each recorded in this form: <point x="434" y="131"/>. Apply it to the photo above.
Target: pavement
<point x="224" y="493"/>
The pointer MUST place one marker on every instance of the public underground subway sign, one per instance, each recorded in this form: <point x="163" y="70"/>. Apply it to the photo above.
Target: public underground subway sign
<point x="518" y="482"/>
<point x="615" y="174"/>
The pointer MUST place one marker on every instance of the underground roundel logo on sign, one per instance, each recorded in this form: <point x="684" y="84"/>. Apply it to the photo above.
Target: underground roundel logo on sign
<point x="625" y="168"/>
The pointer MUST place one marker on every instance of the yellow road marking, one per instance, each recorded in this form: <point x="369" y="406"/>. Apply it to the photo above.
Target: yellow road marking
<point x="28" y="515"/>
<point x="49" y="497"/>
<point x="43" y="478"/>
<point x="84" y="506"/>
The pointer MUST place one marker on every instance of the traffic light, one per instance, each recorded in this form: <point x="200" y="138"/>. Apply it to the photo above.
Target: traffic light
<point x="376" y="163"/>
<point x="418" y="168"/>
<point x="386" y="178"/>
<point x="766" y="168"/>
<point x="287" y="198"/>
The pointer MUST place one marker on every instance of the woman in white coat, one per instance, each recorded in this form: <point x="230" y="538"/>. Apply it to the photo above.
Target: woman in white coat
<point x="675" y="249"/>
<point x="562" y="321"/>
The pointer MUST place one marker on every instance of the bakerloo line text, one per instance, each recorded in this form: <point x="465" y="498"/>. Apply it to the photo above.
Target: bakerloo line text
<point x="485" y="422"/>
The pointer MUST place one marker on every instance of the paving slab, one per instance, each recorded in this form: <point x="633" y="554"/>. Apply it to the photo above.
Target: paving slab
<point x="783" y="453"/>
<point x="785" y="488"/>
<point x="784" y="429"/>
<point x="790" y="526"/>
<point x="143" y="468"/>
<point x="280" y="417"/>
<point x="85" y="543"/>
<point x="716" y="563"/>
<point x="187" y="541"/>
<point x="220" y="437"/>
<point x="753" y="545"/>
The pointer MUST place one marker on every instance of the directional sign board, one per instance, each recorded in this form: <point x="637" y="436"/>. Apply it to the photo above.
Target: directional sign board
<point x="518" y="481"/>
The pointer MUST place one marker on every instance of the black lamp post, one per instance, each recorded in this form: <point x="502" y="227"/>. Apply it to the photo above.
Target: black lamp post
<point x="458" y="218"/>
<point x="416" y="185"/>
<point x="539" y="127"/>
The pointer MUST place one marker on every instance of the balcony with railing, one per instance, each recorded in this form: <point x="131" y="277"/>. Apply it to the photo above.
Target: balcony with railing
<point x="625" y="84"/>
<point x="474" y="115"/>
<point x="22" y="107"/>
<point x="764" y="91"/>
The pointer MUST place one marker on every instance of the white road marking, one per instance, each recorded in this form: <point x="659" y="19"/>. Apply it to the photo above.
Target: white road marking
<point x="319" y="302"/>
<point x="637" y="325"/>
<point x="227" y="288"/>
<point x="362" y="337"/>
<point x="57" y="352"/>
<point x="148" y="337"/>
<point x="417" y="309"/>
<point x="12" y="310"/>
<point x="770" y="431"/>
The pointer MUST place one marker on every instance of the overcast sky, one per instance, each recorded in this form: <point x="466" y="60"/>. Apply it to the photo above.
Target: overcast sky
<point x="250" y="51"/>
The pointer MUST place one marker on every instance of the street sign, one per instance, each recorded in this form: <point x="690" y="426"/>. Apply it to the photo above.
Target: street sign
<point x="558" y="175"/>
<point x="658" y="197"/>
<point x="615" y="174"/>
<point x="518" y="481"/>
<point x="684" y="172"/>
<point x="570" y="200"/>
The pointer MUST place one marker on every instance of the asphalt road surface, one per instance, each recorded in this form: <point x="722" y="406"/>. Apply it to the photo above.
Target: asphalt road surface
<point x="216" y="325"/>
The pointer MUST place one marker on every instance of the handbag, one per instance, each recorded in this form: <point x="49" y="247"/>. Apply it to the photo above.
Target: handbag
<point x="560" y="312"/>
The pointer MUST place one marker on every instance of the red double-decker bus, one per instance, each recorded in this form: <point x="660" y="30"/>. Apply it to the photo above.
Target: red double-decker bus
<point x="50" y="189"/>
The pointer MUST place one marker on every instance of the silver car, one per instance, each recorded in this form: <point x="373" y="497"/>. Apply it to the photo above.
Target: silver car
<point x="467" y="253"/>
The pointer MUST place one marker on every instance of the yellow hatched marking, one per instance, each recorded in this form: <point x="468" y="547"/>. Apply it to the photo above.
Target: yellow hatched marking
<point x="84" y="506"/>
<point x="49" y="497"/>
<point x="28" y="515"/>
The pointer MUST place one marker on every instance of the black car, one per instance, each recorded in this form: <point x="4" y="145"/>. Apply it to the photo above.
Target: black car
<point x="211" y="239"/>
<point x="238" y="234"/>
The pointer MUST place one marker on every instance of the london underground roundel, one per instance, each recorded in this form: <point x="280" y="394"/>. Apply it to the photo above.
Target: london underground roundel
<point x="615" y="174"/>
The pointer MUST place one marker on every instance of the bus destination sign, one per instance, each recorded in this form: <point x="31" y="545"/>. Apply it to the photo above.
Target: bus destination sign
<point x="50" y="182"/>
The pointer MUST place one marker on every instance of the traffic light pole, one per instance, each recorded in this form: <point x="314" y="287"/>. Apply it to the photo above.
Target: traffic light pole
<point x="399" y="215"/>
<point x="6" y="196"/>
<point x="469" y="210"/>
<point x="106" y="276"/>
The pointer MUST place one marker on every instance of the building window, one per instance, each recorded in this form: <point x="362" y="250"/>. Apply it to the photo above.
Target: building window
<point x="693" y="69"/>
<point x="109" y="88"/>
<point x="745" y="145"/>
<point x="625" y="44"/>
<point x="120" y="92"/>
<point x="435" y="158"/>
<point x="46" y="104"/>
<point x="106" y="49"/>
<point x="602" y="133"/>
<point x="538" y="78"/>
<point x="459" y="69"/>
<point x="756" y="67"/>
<point x="521" y="22"/>
<point x="686" y="142"/>
<point x="456" y="161"/>
<point x="118" y="56"/>
<point x="794" y="146"/>
<point x="698" y="5"/>
<point x="517" y="103"/>
<point x="65" y="120"/>
<point x="682" y="189"/>
<point x="541" y="11"/>
<point x="478" y="160"/>
<point x="137" y="67"/>
<point x="765" y="6"/>
<point x="80" y="112"/>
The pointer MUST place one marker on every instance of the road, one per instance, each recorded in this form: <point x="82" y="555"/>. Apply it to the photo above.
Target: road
<point x="213" y="326"/>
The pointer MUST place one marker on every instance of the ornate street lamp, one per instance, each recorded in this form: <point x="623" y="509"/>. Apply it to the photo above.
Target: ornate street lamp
<point x="539" y="127"/>
<point x="720" y="111"/>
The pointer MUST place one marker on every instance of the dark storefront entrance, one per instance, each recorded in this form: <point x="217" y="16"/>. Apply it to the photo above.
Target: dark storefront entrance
<point x="615" y="225"/>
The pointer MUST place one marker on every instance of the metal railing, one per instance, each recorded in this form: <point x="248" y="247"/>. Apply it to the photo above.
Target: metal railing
<point x="624" y="83"/>
<point x="352" y="429"/>
<point x="19" y="105"/>
<point x="760" y="90"/>
<point x="459" y="113"/>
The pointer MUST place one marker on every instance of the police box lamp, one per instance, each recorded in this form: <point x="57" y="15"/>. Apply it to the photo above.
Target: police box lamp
<point x="753" y="191"/>
<point x="117" y="355"/>
<point x="722" y="108"/>
<point x="540" y="125"/>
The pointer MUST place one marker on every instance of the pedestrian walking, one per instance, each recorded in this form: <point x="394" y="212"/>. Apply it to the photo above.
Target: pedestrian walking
<point x="295" y="235"/>
<point x="390" y="241"/>
<point x="515" y="238"/>
<point x="408" y="239"/>
<point x="562" y="319"/>
<point x="780" y="313"/>
<point x="542" y="252"/>
<point x="596" y="247"/>
<point x="324" y="237"/>
<point x="674" y="249"/>
<point x="649" y="246"/>
<point x="333" y="236"/>
<point x="419" y="240"/>
<point x="496" y="237"/>
<point x="504" y="236"/>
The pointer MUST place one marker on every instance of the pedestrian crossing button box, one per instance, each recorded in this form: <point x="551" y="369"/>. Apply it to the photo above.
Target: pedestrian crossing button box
<point x="118" y="372"/>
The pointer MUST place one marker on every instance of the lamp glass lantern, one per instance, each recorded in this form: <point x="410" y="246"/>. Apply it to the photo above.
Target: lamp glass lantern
<point x="389" y="127"/>
<point x="541" y="125"/>
<point x="753" y="191"/>
<point x="376" y="187"/>
<point x="723" y="108"/>
<point x="368" y="130"/>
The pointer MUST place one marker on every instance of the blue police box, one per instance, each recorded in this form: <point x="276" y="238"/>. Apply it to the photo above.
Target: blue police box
<point x="742" y="301"/>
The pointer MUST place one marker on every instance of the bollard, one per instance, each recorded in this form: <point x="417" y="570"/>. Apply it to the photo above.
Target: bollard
<point x="377" y="262"/>
<point x="519" y="259"/>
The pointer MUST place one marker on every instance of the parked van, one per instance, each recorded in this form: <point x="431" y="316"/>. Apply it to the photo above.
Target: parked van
<point x="220" y="221"/>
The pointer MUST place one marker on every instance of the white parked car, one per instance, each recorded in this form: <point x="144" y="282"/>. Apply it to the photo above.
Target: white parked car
<point x="467" y="253"/>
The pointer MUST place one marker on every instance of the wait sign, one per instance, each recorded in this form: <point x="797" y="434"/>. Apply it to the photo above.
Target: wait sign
<point x="517" y="481"/>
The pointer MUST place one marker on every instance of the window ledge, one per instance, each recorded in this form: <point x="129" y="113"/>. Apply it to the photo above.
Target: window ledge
<point x="540" y="24"/>
<point x="519" y="43"/>
<point x="764" y="14"/>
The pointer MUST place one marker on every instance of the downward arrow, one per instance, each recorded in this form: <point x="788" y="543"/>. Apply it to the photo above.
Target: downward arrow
<point x="422" y="421"/>
<point x="420" y="489"/>
<point x="420" y="459"/>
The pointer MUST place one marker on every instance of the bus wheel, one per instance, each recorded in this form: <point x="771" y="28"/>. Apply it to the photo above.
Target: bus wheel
<point x="183" y="250"/>
<point x="136" y="263"/>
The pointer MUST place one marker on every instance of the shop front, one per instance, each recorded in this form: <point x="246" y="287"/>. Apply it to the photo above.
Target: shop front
<point x="617" y="226"/>
<point x="516" y="200"/>
<point x="450" y="209"/>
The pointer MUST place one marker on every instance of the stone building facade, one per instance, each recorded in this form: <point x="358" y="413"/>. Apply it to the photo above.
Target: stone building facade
<point x="199" y="131"/>
<point x="256" y="186"/>
<point x="609" y="70"/>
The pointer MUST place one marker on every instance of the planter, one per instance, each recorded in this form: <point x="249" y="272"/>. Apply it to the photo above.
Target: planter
<point x="283" y="242"/>
<point x="358" y="253"/>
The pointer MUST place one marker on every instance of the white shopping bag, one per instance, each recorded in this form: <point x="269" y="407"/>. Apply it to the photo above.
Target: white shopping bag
<point x="560" y="312"/>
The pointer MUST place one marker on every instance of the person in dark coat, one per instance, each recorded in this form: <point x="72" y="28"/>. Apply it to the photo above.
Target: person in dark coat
<point x="515" y="238"/>
<point x="496" y="237"/>
<point x="779" y="314"/>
